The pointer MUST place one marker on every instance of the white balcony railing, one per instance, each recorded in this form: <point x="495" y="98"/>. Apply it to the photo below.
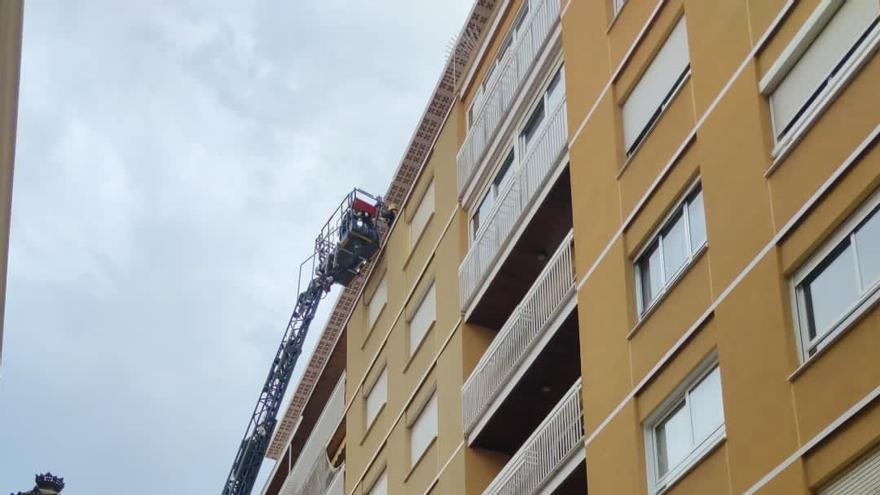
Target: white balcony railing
<point x="512" y="203"/>
<point x="502" y="89"/>
<point x="547" y="450"/>
<point x="312" y="473"/>
<point x="321" y="475"/>
<point x="525" y="326"/>
<point x="337" y="486"/>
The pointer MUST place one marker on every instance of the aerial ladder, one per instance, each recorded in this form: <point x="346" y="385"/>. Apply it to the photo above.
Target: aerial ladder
<point x="344" y="247"/>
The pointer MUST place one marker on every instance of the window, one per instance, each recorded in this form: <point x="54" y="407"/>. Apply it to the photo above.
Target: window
<point x="685" y="429"/>
<point x="658" y="85"/>
<point x="814" y="67"/>
<point x="423" y="430"/>
<point x="617" y="5"/>
<point x="422" y="215"/>
<point x="841" y="281"/>
<point x="494" y="190"/>
<point x="423" y="319"/>
<point x="547" y="104"/>
<point x="380" y="486"/>
<point x="377" y="302"/>
<point x="672" y="249"/>
<point x="862" y="477"/>
<point x="377" y="396"/>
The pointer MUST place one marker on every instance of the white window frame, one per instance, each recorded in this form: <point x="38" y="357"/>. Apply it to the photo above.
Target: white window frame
<point x="664" y="103"/>
<point x="866" y="300"/>
<point x="681" y="207"/>
<point x="426" y="407"/>
<point x="822" y="97"/>
<point x="380" y="378"/>
<point x="377" y="302"/>
<point x="681" y="395"/>
<point x="502" y="178"/>
<point x="420" y="220"/>
<point x="428" y="302"/>
<point x="523" y="148"/>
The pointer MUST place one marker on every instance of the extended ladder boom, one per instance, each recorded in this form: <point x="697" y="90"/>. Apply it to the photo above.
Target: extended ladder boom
<point x="345" y="245"/>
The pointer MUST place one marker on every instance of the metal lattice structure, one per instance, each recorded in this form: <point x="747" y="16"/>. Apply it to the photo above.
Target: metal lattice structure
<point x="421" y="142"/>
<point x="345" y="246"/>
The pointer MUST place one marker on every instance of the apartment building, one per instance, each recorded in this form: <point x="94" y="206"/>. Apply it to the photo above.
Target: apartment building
<point x="638" y="254"/>
<point x="11" y="14"/>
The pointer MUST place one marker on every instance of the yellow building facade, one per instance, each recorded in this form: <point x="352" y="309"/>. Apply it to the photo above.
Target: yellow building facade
<point x="641" y="255"/>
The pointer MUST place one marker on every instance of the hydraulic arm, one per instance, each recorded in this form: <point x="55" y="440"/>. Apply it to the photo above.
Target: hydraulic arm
<point x="346" y="244"/>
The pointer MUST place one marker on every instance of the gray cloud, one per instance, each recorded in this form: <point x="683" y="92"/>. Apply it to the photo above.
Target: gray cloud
<point x="175" y="160"/>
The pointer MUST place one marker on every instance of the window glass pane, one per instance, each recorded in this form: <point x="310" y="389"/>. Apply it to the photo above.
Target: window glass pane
<point x="673" y="440"/>
<point x="533" y="124"/>
<point x="868" y="243"/>
<point x="556" y="91"/>
<point x="503" y="171"/>
<point x="831" y="291"/>
<point x="650" y="275"/>
<point x="483" y="210"/>
<point x="707" y="411"/>
<point x="675" y="246"/>
<point x="697" y="220"/>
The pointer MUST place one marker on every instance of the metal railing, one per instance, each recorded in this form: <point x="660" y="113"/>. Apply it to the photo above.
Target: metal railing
<point x="337" y="486"/>
<point x="553" y="443"/>
<point x="321" y="474"/>
<point x="525" y="326"/>
<point x="312" y="472"/>
<point x="503" y="87"/>
<point x="513" y="201"/>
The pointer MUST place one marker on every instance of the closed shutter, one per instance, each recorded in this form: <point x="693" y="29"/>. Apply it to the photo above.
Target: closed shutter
<point x="422" y="215"/>
<point x="656" y="83"/>
<point x="377" y="397"/>
<point x="380" y="297"/>
<point x="380" y="487"/>
<point x="422" y="319"/>
<point x="815" y="65"/>
<point x="861" y="479"/>
<point x="424" y="430"/>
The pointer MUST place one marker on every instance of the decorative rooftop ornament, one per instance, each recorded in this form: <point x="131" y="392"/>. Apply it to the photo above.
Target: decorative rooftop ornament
<point x="46" y="484"/>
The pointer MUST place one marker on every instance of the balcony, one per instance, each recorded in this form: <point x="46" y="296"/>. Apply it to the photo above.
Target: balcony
<point x="312" y="472"/>
<point x="529" y="331"/>
<point x="552" y="459"/>
<point x="514" y="204"/>
<point x="321" y="476"/>
<point x="504" y="86"/>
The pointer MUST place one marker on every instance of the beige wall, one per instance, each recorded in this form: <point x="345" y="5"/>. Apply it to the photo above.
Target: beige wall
<point x="410" y="266"/>
<point x="770" y="410"/>
<point x="11" y="12"/>
<point x="733" y="301"/>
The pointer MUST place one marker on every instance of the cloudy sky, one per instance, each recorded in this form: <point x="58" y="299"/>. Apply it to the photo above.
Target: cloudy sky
<point x="175" y="159"/>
